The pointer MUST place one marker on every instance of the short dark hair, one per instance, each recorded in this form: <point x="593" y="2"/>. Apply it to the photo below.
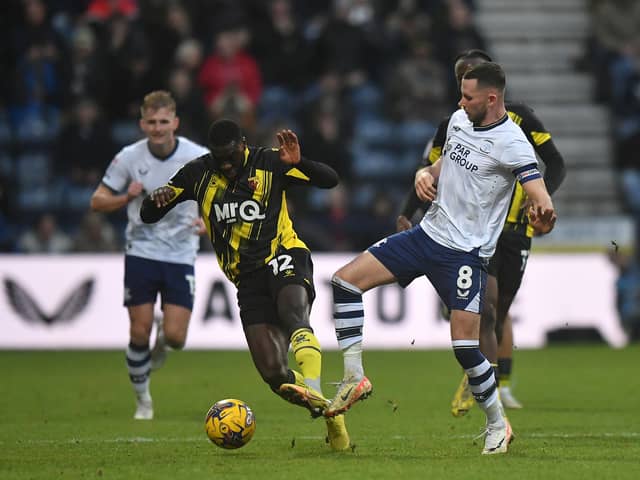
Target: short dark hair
<point x="488" y="74"/>
<point x="223" y="132"/>
<point x="472" y="55"/>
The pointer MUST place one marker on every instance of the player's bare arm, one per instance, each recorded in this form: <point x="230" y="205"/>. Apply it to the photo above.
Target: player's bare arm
<point x="426" y="180"/>
<point x="542" y="215"/>
<point x="104" y="200"/>
<point x="289" y="147"/>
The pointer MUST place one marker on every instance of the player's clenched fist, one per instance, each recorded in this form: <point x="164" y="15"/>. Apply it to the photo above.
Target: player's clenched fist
<point x="425" y="185"/>
<point x="162" y="196"/>
<point x="542" y="220"/>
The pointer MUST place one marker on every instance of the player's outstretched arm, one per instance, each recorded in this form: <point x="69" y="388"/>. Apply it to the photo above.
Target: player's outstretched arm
<point x="542" y="142"/>
<point x="542" y="215"/>
<point x="317" y="174"/>
<point x="555" y="170"/>
<point x="104" y="200"/>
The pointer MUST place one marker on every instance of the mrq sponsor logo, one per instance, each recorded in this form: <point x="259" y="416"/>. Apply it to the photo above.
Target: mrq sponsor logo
<point x="248" y="211"/>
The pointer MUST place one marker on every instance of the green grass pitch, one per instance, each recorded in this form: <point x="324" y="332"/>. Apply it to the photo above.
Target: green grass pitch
<point x="68" y="415"/>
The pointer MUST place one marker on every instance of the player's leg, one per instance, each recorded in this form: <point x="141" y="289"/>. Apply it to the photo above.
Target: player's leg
<point x="139" y="358"/>
<point x="268" y="345"/>
<point x="463" y="398"/>
<point x="293" y="307"/>
<point x="488" y="320"/>
<point x="268" y="348"/>
<point x="505" y="347"/>
<point x="515" y="248"/>
<point x="177" y="303"/>
<point x="171" y="333"/>
<point x="460" y="279"/>
<point x="348" y="284"/>
<point x="140" y="294"/>
<point x="505" y="365"/>
<point x="267" y="341"/>
<point x="465" y="330"/>
<point x="294" y="293"/>
<point x="390" y="260"/>
<point x="289" y="283"/>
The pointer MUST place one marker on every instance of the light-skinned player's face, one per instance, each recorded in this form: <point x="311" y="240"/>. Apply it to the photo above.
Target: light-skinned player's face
<point x="159" y="126"/>
<point x="475" y="101"/>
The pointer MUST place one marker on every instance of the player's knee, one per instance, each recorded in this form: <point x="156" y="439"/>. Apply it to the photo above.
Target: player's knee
<point x="175" y="337"/>
<point x="293" y="311"/>
<point x="140" y="333"/>
<point x="175" y="343"/>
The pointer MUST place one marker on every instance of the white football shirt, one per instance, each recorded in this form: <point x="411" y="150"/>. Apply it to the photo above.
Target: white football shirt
<point x="172" y="239"/>
<point x="478" y="175"/>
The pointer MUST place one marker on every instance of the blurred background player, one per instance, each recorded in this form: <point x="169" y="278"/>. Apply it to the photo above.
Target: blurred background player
<point x="509" y="261"/>
<point x="241" y="191"/>
<point x="158" y="258"/>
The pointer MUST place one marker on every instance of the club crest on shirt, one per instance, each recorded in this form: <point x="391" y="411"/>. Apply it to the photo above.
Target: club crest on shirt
<point x="486" y="146"/>
<point x="254" y="183"/>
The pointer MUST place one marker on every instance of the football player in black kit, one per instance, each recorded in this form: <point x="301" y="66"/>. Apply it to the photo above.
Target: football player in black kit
<point x="241" y="192"/>
<point x="508" y="264"/>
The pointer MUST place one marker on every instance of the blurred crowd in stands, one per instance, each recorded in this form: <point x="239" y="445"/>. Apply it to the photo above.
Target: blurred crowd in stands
<point x="362" y="82"/>
<point x="613" y="55"/>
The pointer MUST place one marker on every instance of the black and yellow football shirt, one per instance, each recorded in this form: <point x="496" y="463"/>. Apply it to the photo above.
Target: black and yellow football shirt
<point x="246" y="218"/>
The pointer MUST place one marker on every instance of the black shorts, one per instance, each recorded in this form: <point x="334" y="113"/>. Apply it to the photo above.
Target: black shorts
<point x="258" y="290"/>
<point x="509" y="261"/>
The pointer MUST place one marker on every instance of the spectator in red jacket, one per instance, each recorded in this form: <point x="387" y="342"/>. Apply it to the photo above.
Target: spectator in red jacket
<point x="230" y="78"/>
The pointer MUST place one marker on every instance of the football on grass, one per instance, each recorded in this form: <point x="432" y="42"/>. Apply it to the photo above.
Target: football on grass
<point x="230" y="423"/>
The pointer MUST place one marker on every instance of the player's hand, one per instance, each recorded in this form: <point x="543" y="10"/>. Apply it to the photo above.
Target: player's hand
<point x="542" y="220"/>
<point x="402" y="223"/>
<point x="199" y="225"/>
<point x="162" y="196"/>
<point x="289" y="147"/>
<point x="135" y="189"/>
<point x="425" y="185"/>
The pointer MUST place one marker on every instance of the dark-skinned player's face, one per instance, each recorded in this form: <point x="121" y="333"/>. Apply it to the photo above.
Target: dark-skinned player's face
<point x="229" y="158"/>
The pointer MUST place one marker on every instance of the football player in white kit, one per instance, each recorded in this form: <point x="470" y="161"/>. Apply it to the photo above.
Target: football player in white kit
<point x="159" y="258"/>
<point x="470" y="188"/>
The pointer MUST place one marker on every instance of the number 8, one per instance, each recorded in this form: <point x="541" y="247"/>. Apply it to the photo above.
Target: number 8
<point x="464" y="277"/>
